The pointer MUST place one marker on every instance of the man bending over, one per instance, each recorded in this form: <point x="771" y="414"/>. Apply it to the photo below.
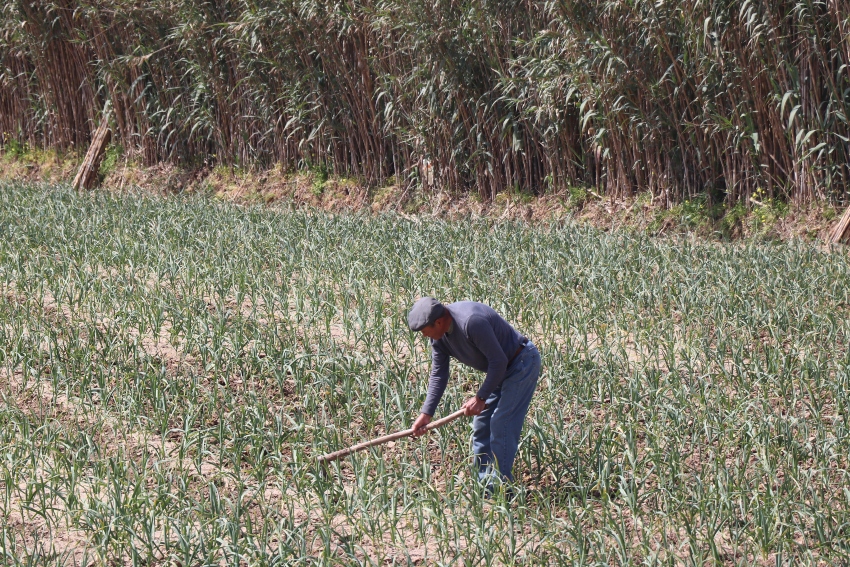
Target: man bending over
<point x="477" y="336"/>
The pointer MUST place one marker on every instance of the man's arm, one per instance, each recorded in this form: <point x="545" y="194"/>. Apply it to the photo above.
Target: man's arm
<point x="436" y="386"/>
<point x="437" y="380"/>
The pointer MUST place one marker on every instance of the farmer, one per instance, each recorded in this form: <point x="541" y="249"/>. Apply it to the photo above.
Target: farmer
<point x="477" y="336"/>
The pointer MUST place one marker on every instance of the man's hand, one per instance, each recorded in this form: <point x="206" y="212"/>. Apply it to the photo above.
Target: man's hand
<point x="473" y="406"/>
<point x="420" y="423"/>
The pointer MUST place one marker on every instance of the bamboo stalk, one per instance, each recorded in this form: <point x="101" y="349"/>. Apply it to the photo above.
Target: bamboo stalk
<point x="839" y="232"/>
<point x="87" y="174"/>
<point x="387" y="438"/>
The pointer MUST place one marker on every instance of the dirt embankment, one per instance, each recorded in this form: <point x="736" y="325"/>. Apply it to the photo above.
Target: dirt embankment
<point x="766" y="219"/>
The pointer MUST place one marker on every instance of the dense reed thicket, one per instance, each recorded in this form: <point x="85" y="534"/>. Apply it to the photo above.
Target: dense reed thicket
<point x="698" y="97"/>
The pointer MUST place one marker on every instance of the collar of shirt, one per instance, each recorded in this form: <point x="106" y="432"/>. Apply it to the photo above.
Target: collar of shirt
<point x="451" y="327"/>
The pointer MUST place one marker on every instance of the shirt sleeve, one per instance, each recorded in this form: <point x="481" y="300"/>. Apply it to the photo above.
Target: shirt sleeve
<point x="437" y="380"/>
<point x="484" y="338"/>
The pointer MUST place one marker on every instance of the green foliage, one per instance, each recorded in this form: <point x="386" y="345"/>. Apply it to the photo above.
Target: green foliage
<point x="829" y="213"/>
<point x="13" y="148"/>
<point x="578" y="196"/>
<point x="693" y="212"/>
<point x="524" y="197"/>
<point x="111" y="157"/>
<point x="691" y="215"/>
<point x="321" y="173"/>
<point x="624" y="97"/>
<point x="731" y="221"/>
<point x="170" y="369"/>
<point x="659" y="221"/>
<point x="767" y="211"/>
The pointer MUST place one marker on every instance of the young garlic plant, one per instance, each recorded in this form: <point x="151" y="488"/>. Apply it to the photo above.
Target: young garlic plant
<point x="171" y="367"/>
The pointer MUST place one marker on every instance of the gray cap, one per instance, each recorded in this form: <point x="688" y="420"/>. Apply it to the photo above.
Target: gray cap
<point x="424" y="313"/>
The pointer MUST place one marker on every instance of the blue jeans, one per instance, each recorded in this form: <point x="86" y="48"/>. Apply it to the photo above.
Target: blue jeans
<point x="496" y="430"/>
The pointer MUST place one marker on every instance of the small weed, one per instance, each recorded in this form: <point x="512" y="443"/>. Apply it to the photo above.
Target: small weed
<point x="730" y="224"/>
<point x="111" y="157"/>
<point x="829" y="213"/>
<point x="13" y="148"/>
<point x="644" y="199"/>
<point x="657" y="223"/>
<point x="321" y="173"/>
<point x="578" y="197"/>
<point x="689" y="215"/>
<point x="221" y="171"/>
<point x="522" y="195"/>
<point x="767" y="211"/>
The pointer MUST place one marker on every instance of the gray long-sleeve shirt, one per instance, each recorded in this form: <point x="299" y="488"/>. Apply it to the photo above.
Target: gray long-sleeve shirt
<point x="479" y="338"/>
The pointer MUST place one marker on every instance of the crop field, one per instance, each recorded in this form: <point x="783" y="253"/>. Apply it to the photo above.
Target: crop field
<point x="170" y="368"/>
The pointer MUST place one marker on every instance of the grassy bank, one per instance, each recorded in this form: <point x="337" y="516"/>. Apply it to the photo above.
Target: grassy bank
<point x="765" y="219"/>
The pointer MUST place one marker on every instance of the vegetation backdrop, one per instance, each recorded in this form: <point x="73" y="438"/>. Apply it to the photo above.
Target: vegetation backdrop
<point x="713" y="98"/>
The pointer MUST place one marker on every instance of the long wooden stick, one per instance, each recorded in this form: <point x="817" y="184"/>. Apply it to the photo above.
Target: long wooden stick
<point x="840" y="230"/>
<point x="387" y="438"/>
<point x="87" y="174"/>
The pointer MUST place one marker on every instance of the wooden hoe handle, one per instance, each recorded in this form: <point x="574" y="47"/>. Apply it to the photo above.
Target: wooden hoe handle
<point x="387" y="438"/>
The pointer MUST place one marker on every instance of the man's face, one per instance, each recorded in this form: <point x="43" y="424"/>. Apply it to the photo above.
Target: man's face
<point x="438" y="328"/>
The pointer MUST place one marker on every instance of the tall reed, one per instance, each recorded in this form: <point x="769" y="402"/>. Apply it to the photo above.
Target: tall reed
<point x="699" y="97"/>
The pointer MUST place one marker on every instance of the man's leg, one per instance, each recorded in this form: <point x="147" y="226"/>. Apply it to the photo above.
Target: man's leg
<point x="507" y="418"/>
<point x="481" y="450"/>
